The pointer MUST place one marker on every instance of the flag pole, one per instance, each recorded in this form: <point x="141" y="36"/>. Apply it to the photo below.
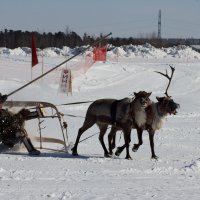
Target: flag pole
<point x="31" y="73"/>
<point x="34" y="59"/>
<point x="42" y="65"/>
<point x="103" y="38"/>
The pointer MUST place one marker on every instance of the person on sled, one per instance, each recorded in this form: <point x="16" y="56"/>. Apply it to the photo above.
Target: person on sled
<point x="12" y="129"/>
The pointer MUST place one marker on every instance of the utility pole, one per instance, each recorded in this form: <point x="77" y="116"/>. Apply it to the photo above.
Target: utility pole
<point x="159" y="24"/>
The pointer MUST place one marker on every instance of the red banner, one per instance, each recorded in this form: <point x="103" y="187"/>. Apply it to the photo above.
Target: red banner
<point x="100" y="54"/>
<point x="34" y="54"/>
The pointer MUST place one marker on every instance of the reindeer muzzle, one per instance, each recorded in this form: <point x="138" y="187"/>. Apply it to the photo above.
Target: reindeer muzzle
<point x="143" y="102"/>
<point x="173" y="108"/>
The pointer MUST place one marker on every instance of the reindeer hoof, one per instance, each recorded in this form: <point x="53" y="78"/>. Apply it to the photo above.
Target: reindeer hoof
<point x="128" y="158"/>
<point x="135" y="148"/>
<point x="110" y="153"/>
<point x="107" y="155"/>
<point x="118" y="152"/>
<point x="74" y="153"/>
<point x="154" y="157"/>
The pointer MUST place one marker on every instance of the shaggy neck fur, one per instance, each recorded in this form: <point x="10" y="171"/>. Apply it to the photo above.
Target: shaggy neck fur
<point x="139" y="114"/>
<point x="155" y="119"/>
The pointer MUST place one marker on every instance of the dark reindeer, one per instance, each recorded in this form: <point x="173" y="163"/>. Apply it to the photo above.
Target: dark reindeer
<point x="156" y="113"/>
<point x="119" y="114"/>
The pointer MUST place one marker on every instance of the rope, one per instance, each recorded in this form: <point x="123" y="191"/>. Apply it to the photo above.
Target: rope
<point x="66" y="104"/>
<point x="73" y="115"/>
<point x="91" y="136"/>
<point x="74" y="103"/>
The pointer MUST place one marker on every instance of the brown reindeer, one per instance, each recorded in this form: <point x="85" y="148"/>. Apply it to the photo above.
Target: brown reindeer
<point x="119" y="114"/>
<point x="156" y="113"/>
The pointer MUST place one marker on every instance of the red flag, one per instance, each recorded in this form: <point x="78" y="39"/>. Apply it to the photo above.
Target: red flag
<point x="34" y="54"/>
<point x="100" y="54"/>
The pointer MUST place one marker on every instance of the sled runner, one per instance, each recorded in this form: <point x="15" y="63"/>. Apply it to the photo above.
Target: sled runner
<point x="36" y="110"/>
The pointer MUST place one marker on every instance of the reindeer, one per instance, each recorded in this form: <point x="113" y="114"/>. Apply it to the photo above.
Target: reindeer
<point x="156" y="113"/>
<point x="119" y="114"/>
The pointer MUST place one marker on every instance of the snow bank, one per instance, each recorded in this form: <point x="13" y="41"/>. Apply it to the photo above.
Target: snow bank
<point x="149" y="51"/>
<point x="131" y="51"/>
<point x="47" y="52"/>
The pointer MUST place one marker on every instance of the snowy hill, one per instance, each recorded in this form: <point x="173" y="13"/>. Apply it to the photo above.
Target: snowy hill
<point x="175" y="176"/>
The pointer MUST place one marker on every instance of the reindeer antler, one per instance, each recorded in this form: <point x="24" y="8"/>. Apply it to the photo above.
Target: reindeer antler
<point x="167" y="76"/>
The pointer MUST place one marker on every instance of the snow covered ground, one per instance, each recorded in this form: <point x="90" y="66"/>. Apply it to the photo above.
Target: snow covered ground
<point x="175" y="176"/>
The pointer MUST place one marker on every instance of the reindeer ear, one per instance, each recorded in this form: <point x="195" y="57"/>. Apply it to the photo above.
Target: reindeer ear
<point x="149" y="94"/>
<point x="160" y="99"/>
<point x="135" y="93"/>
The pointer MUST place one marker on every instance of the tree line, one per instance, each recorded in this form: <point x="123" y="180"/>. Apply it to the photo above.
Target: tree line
<point x="13" y="39"/>
<point x="17" y="38"/>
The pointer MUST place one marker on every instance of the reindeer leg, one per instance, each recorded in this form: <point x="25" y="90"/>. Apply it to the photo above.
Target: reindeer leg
<point x="87" y="124"/>
<point x="140" y="141"/>
<point x="103" y="129"/>
<point x="111" y="139"/>
<point x="151" y="139"/>
<point x="127" y="138"/>
<point x="119" y="150"/>
<point x="113" y="144"/>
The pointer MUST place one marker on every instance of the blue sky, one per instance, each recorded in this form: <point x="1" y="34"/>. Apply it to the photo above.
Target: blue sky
<point x="124" y="18"/>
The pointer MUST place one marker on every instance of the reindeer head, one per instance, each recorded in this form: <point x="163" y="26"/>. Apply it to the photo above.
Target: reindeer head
<point x="166" y="105"/>
<point x="143" y="98"/>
